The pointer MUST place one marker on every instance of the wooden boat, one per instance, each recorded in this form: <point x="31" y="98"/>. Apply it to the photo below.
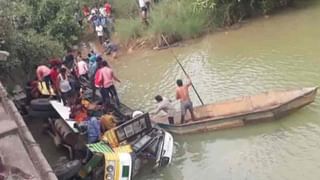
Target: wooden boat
<point x="240" y="111"/>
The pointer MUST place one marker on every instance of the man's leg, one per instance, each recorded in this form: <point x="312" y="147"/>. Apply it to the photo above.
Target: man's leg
<point x="171" y="120"/>
<point x="114" y="94"/>
<point x="93" y="87"/>
<point x="183" y="112"/>
<point x="190" y="107"/>
<point x="47" y="81"/>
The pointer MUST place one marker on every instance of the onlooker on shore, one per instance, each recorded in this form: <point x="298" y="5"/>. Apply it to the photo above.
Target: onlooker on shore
<point x="110" y="48"/>
<point x="85" y="10"/>
<point x="99" y="30"/>
<point x="143" y="10"/>
<point x="108" y="8"/>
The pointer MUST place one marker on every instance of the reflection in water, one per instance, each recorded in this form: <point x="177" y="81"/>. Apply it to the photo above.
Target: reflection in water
<point x="275" y="53"/>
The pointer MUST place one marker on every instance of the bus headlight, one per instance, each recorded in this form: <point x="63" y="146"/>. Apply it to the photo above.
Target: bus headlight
<point x="110" y="168"/>
<point x="109" y="177"/>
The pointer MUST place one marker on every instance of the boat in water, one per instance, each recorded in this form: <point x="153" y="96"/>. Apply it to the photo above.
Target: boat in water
<point x="240" y="111"/>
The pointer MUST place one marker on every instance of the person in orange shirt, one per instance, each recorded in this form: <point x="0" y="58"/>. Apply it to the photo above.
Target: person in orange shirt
<point x="182" y="94"/>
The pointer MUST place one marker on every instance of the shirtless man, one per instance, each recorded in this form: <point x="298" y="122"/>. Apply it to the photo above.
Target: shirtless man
<point x="182" y="94"/>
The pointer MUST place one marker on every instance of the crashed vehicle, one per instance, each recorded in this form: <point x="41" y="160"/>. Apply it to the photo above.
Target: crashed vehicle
<point x="122" y="151"/>
<point x="126" y="148"/>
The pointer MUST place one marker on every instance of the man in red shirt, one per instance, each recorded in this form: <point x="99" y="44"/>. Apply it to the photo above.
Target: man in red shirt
<point x="108" y="8"/>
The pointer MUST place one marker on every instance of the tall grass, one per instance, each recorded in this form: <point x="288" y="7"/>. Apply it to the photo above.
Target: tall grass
<point x="177" y="18"/>
<point x="128" y="29"/>
<point x="184" y="19"/>
<point x="125" y="8"/>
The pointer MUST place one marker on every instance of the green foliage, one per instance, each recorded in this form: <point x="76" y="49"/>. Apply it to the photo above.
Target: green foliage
<point x="177" y="18"/>
<point x="125" y="8"/>
<point x="182" y="19"/>
<point x="128" y="29"/>
<point x="35" y="30"/>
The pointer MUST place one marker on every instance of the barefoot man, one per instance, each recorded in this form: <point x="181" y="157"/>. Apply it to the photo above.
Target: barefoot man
<point x="182" y="94"/>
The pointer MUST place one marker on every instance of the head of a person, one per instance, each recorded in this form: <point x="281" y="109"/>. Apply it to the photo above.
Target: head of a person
<point x="89" y="55"/>
<point x="104" y="64"/>
<point x="179" y="83"/>
<point x="99" y="62"/>
<point x="158" y="98"/>
<point x="63" y="71"/>
<point x="99" y="59"/>
<point x="136" y="114"/>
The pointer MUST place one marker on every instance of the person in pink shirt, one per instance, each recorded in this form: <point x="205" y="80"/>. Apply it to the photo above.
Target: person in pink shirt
<point x="107" y="77"/>
<point x="82" y="67"/>
<point x="43" y="74"/>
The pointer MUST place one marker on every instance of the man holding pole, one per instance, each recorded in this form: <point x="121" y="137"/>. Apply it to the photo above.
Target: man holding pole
<point x="182" y="94"/>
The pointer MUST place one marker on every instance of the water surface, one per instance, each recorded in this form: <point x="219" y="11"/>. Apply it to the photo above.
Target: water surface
<point x="280" y="52"/>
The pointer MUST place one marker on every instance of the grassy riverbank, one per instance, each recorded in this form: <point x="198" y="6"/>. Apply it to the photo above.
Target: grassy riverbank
<point x="185" y="19"/>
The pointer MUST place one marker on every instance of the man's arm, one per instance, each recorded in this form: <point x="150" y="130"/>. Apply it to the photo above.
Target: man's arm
<point x="38" y="76"/>
<point x="189" y="81"/>
<point x="177" y="95"/>
<point x="115" y="78"/>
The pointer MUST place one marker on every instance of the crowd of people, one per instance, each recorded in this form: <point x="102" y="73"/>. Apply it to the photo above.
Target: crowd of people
<point x="69" y="79"/>
<point x="101" y="21"/>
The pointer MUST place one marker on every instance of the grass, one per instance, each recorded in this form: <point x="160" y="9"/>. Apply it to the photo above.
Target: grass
<point x="185" y="19"/>
<point x="128" y="29"/>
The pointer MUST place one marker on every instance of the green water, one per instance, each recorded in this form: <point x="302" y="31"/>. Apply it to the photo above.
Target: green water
<point x="280" y="52"/>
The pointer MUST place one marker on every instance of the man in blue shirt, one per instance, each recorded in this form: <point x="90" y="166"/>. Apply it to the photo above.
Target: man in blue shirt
<point x="93" y="66"/>
<point x="92" y="125"/>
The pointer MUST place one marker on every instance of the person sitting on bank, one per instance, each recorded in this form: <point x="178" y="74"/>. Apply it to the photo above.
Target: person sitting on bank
<point x="182" y="94"/>
<point x="111" y="48"/>
<point x="165" y="105"/>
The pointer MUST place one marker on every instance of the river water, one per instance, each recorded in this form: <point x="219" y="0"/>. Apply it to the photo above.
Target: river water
<point x="279" y="52"/>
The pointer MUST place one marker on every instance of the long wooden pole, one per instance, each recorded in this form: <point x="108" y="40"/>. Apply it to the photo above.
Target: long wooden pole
<point x="185" y="72"/>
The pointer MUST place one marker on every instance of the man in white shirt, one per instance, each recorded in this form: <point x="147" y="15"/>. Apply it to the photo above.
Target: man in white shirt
<point x="165" y="105"/>
<point x="143" y="9"/>
<point x="99" y="30"/>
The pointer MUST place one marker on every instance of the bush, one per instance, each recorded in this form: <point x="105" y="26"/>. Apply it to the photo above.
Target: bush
<point x="128" y="29"/>
<point x="125" y="8"/>
<point x="183" y="19"/>
<point x="35" y="30"/>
